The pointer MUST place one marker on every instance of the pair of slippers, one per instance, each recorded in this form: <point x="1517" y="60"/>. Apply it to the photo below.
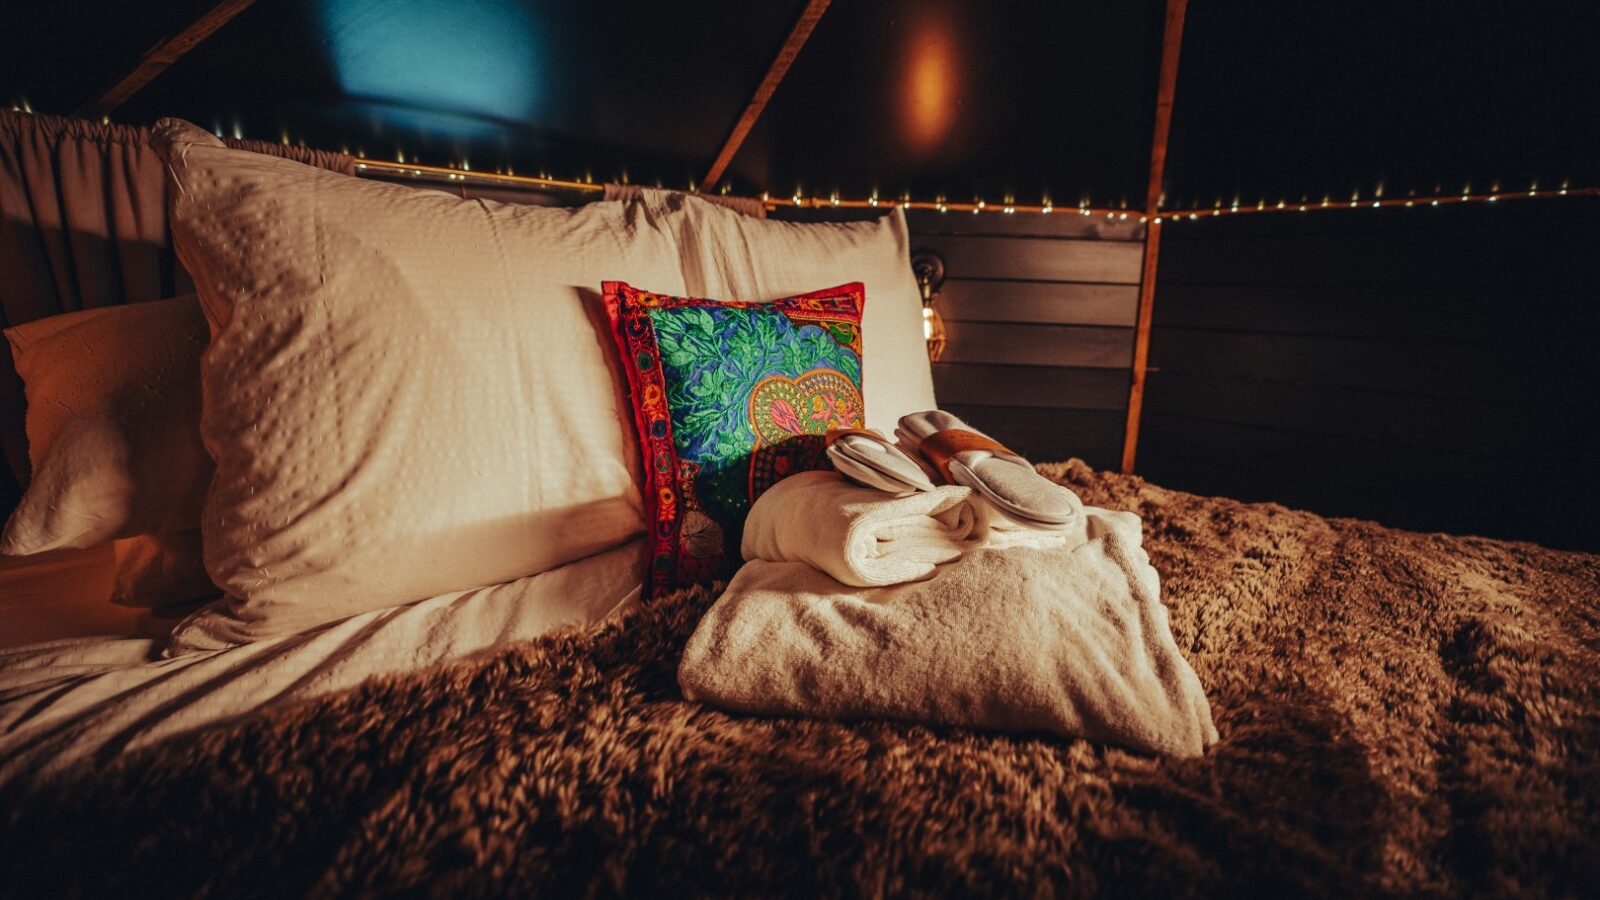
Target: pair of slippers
<point x="936" y="444"/>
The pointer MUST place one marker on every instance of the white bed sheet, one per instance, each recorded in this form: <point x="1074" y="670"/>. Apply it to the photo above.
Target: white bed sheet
<point x="69" y="701"/>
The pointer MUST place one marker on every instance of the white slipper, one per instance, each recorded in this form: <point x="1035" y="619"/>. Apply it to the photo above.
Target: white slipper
<point x="869" y="459"/>
<point x="966" y="456"/>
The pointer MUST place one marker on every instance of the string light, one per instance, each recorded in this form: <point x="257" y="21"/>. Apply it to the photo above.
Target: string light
<point x="1495" y="195"/>
<point x="461" y="171"/>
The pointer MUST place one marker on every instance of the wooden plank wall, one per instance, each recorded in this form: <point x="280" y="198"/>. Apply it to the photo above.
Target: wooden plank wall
<point x="1040" y="312"/>
<point x="1430" y="369"/>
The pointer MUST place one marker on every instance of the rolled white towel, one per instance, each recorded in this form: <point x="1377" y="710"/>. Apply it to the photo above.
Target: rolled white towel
<point x="860" y="536"/>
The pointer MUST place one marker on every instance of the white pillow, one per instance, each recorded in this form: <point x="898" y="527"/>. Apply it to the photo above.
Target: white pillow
<point x="113" y="425"/>
<point x="406" y="393"/>
<point x="726" y="254"/>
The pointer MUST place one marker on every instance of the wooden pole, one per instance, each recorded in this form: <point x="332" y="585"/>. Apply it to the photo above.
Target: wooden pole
<point x="1171" y="41"/>
<point x="164" y="54"/>
<point x="779" y="68"/>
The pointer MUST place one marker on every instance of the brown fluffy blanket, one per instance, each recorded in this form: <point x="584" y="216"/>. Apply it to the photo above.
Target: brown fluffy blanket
<point x="1400" y="714"/>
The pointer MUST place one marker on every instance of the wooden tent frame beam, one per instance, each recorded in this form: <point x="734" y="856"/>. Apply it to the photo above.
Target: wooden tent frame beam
<point x="769" y="85"/>
<point x="158" y="58"/>
<point x="1171" y="42"/>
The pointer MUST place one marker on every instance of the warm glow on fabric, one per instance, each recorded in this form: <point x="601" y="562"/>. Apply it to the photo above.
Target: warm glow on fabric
<point x="450" y="61"/>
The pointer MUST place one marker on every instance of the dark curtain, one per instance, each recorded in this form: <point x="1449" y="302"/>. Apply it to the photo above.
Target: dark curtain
<point x="83" y="224"/>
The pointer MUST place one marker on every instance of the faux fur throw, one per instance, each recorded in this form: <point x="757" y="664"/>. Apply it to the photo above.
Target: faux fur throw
<point x="1069" y="640"/>
<point x="1399" y="713"/>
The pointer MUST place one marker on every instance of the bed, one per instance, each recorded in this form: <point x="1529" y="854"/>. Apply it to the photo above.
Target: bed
<point x="1399" y="713"/>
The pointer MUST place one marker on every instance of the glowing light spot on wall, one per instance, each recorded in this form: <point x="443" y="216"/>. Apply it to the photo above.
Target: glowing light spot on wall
<point x="930" y="85"/>
<point x="456" y="57"/>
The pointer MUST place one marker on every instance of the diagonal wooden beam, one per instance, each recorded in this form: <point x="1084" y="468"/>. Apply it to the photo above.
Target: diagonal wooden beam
<point x="163" y="54"/>
<point x="779" y="68"/>
<point x="1171" y="42"/>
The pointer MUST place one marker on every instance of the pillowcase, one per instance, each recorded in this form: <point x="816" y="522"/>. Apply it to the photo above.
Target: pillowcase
<point x="113" y="426"/>
<point x="728" y="398"/>
<point x="406" y="392"/>
<point x="726" y="254"/>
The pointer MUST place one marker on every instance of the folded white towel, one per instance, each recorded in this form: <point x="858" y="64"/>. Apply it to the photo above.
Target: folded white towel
<point x="1071" y="641"/>
<point x="859" y="536"/>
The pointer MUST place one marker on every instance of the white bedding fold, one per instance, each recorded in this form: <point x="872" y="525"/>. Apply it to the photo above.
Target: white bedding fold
<point x="67" y="701"/>
<point x="860" y="536"/>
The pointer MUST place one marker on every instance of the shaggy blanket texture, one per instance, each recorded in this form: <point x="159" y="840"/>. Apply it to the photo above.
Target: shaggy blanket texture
<point x="1400" y="714"/>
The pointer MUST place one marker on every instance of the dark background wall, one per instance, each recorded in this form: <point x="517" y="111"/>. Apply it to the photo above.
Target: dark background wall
<point x="1432" y="369"/>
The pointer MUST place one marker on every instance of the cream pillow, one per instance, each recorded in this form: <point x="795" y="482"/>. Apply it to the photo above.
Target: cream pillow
<point x="113" y="426"/>
<point x="406" y="393"/>
<point x="726" y="254"/>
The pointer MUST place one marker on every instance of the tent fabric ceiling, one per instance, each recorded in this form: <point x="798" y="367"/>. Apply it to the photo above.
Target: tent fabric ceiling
<point x="953" y="98"/>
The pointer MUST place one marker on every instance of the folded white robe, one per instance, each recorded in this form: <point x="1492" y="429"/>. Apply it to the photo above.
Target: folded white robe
<point x="860" y="536"/>
<point x="1072" y="641"/>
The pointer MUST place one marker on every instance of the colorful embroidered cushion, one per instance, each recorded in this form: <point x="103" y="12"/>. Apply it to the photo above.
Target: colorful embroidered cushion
<point x="729" y="398"/>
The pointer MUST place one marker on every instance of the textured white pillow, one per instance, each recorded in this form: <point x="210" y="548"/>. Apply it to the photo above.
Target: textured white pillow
<point x="113" y="424"/>
<point x="726" y="254"/>
<point x="406" y="393"/>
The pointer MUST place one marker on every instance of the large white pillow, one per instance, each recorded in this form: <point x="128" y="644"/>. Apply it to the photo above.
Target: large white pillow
<point x="406" y="393"/>
<point x="726" y="254"/>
